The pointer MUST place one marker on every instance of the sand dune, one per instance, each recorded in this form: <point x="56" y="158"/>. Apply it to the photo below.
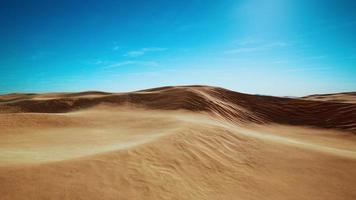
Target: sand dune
<point x="346" y="97"/>
<point x="188" y="142"/>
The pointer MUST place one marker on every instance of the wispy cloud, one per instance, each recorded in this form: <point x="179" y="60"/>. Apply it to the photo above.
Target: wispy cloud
<point x="306" y="69"/>
<point x="116" y="48"/>
<point x="314" y="57"/>
<point x="299" y="59"/>
<point x="143" y="51"/>
<point x="248" y="41"/>
<point x="247" y="47"/>
<point x="132" y="62"/>
<point x="98" y="62"/>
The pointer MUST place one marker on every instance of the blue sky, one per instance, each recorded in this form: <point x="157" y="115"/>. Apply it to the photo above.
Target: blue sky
<point x="274" y="47"/>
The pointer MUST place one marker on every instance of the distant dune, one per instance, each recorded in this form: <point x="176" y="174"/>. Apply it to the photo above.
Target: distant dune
<point x="347" y="97"/>
<point x="184" y="142"/>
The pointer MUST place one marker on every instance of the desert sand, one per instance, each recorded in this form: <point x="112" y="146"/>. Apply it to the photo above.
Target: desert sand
<point x="187" y="142"/>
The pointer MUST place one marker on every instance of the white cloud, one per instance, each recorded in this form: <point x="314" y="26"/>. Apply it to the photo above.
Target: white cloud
<point x="115" y="48"/>
<point x="255" y="48"/>
<point x="133" y="62"/>
<point x="134" y="53"/>
<point x="142" y="51"/>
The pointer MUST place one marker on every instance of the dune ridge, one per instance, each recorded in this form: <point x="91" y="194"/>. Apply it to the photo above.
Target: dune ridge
<point x="234" y="106"/>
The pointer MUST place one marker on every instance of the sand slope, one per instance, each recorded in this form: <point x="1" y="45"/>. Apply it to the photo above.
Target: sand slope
<point x="191" y="142"/>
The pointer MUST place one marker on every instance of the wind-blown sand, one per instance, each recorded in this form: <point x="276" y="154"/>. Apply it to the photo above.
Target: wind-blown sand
<point x="192" y="142"/>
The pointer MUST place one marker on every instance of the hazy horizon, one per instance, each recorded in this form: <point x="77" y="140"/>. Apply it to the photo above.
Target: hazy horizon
<point x="274" y="47"/>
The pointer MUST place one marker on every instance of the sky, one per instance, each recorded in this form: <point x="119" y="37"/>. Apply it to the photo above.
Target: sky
<point x="269" y="47"/>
